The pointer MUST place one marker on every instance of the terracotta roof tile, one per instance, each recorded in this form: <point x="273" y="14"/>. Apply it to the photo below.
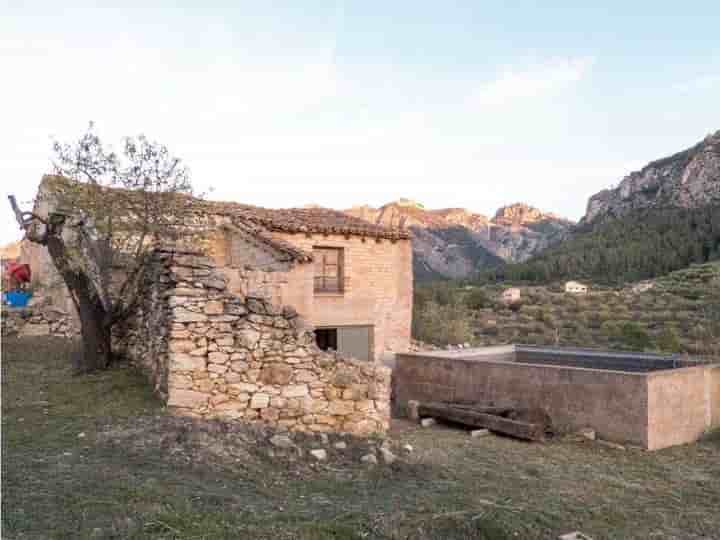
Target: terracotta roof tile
<point x="309" y="220"/>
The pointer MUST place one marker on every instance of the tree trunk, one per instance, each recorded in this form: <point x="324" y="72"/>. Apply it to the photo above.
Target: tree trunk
<point x="96" y="349"/>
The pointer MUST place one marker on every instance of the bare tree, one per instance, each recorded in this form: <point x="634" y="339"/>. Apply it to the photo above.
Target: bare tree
<point x="102" y="215"/>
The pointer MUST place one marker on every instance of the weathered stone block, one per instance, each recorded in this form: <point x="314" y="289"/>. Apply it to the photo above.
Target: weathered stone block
<point x="218" y="358"/>
<point x="185" y="362"/>
<point x="305" y="376"/>
<point x="341" y="407"/>
<point x="177" y="345"/>
<point x="214" y="307"/>
<point x="187" y="398"/>
<point x="185" y="316"/>
<point x="248" y="338"/>
<point x="276" y="374"/>
<point x="295" y="391"/>
<point x="259" y="401"/>
<point x="244" y="387"/>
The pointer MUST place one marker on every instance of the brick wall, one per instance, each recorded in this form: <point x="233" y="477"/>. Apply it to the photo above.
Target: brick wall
<point x="378" y="284"/>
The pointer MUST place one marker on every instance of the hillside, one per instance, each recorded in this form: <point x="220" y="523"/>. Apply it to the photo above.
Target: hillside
<point x="679" y="312"/>
<point x="662" y="218"/>
<point x="457" y="243"/>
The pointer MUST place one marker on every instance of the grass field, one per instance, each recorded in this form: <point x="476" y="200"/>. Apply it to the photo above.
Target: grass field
<point x="96" y="457"/>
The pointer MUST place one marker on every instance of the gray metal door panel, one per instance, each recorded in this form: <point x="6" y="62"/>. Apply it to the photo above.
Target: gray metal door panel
<point x="355" y="341"/>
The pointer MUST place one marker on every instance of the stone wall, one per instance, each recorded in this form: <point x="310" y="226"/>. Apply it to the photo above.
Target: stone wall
<point x="211" y="353"/>
<point x="33" y="321"/>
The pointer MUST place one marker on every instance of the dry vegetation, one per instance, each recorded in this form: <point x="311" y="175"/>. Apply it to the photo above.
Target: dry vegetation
<point x="95" y="456"/>
<point x="681" y="313"/>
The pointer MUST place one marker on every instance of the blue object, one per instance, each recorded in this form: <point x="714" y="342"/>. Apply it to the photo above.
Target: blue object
<point x="17" y="298"/>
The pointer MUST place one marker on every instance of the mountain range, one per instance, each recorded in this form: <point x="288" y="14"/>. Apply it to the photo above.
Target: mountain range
<point x="456" y="243"/>
<point x="659" y="219"/>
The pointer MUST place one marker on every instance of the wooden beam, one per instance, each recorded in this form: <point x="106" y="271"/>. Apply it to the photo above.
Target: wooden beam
<point x="469" y="417"/>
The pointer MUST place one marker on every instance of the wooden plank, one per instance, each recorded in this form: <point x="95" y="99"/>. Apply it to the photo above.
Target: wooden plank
<point x="514" y="428"/>
<point x="486" y="409"/>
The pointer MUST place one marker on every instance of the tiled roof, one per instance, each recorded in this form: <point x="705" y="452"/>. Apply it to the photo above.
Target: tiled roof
<point x="307" y="220"/>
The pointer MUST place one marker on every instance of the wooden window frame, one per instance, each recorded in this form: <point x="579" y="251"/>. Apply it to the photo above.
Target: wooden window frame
<point x="323" y="288"/>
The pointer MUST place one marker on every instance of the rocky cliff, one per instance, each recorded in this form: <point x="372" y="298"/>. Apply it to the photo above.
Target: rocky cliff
<point x="455" y="242"/>
<point x="688" y="179"/>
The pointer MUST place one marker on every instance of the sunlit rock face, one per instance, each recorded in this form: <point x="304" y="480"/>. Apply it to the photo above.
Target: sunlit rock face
<point x="456" y="243"/>
<point x="688" y="179"/>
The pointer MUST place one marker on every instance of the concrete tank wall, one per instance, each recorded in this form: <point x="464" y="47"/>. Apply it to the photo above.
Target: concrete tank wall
<point x="653" y="410"/>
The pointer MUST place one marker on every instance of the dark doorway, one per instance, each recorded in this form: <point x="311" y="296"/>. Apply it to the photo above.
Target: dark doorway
<point x="327" y="338"/>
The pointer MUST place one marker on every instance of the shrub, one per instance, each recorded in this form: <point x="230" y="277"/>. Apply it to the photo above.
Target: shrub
<point x="669" y="340"/>
<point x="477" y="299"/>
<point x="633" y="336"/>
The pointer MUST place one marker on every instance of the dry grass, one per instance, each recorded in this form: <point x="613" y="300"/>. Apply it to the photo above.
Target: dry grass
<point x="137" y="473"/>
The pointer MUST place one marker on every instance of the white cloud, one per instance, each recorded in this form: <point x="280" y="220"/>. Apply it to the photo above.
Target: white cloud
<point x="532" y="81"/>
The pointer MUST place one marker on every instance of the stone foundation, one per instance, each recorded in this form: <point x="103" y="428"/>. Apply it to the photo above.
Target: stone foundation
<point x="211" y="353"/>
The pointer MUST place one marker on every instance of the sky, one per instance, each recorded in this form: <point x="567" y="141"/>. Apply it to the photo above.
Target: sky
<point x="340" y="103"/>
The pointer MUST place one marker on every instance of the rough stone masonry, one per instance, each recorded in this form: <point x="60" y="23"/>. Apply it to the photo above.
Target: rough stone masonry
<point x="211" y="353"/>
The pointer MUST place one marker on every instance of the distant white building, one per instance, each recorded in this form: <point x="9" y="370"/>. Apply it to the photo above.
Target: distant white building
<point x="643" y="286"/>
<point x="575" y="287"/>
<point x="511" y="295"/>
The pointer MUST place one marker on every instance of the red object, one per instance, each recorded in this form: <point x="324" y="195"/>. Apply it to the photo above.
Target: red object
<point x="19" y="272"/>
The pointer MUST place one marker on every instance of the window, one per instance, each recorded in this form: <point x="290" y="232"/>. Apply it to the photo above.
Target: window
<point x="350" y="341"/>
<point x="326" y="338"/>
<point x="328" y="269"/>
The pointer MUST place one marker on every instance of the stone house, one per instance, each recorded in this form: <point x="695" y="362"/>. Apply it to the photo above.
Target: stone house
<point x="348" y="278"/>
<point x="511" y="295"/>
<point x="278" y="316"/>
<point x="575" y="287"/>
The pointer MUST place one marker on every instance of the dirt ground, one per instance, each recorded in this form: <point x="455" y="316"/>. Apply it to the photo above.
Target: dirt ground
<point x="97" y="457"/>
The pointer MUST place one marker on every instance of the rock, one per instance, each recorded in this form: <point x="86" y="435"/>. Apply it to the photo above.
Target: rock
<point x="248" y="338"/>
<point x="300" y="390"/>
<point x="587" y="433"/>
<point x="218" y="357"/>
<point x="319" y="454"/>
<point x="259" y="401"/>
<point x="256" y="305"/>
<point x="81" y="435"/>
<point x="324" y="438"/>
<point x="369" y="458"/>
<point x="475" y="433"/>
<point x="187" y="398"/>
<point x="340" y="445"/>
<point x="576" y="535"/>
<point x="387" y="455"/>
<point x="407" y="448"/>
<point x="186" y="362"/>
<point x="412" y="408"/>
<point x="182" y="315"/>
<point x="276" y="374"/>
<point x="427" y="422"/>
<point x="214" y="307"/>
<point x="282" y="441"/>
